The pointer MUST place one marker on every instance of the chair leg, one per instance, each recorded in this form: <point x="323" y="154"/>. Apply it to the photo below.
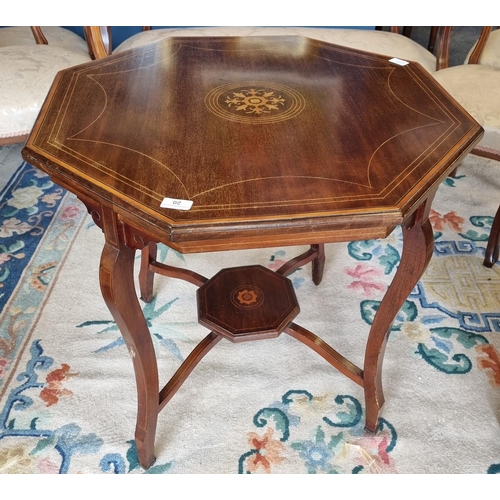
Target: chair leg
<point x="491" y="255"/>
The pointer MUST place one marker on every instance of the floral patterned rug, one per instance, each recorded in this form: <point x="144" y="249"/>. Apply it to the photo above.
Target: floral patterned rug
<point x="67" y="390"/>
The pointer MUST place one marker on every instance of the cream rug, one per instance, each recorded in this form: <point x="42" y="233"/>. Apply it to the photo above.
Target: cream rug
<point x="67" y="389"/>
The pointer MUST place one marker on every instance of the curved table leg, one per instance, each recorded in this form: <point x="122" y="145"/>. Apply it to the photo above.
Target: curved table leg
<point x="318" y="264"/>
<point x="316" y="254"/>
<point x="491" y="255"/>
<point x="146" y="276"/>
<point x="418" y="245"/>
<point x="117" y="285"/>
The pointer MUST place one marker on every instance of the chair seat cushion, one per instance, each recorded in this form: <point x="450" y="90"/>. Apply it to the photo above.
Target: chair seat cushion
<point x="476" y="88"/>
<point x="491" y="52"/>
<point x="380" y="42"/>
<point x="25" y="79"/>
<point x="55" y="35"/>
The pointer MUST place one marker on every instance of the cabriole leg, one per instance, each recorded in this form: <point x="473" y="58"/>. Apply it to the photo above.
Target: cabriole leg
<point x="117" y="285"/>
<point x="418" y="245"/>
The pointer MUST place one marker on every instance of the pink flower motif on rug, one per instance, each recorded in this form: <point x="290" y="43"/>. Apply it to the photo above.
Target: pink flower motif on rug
<point x="71" y="212"/>
<point x="47" y="466"/>
<point x="451" y="219"/>
<point x="366" y="280"/>
<point x="54" y="389"/>
<point x="490" y="362"/>
<point x="372" y="454"/>
<point x="267" y="451"/>
<point x="4" y="363"/>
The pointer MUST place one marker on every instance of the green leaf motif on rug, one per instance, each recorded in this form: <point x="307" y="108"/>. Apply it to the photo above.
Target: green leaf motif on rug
<point x="484" y="221"/>
<point x="441" y="356"/>
<point x="389" y="259"/>
<point x="462" y="364"/>
<point x="450" y="181"/>
<point x="408" y="312"/>
<point x="467" y="339"/>
<point x="348" y="418"/>
<point x="493" y="469"/>
<point x="151" y="313"/>
<point x="42" y="444"/>
<point x="281" y="423"/>
<point x="387" y="255"/>
<point x="474" y="236"/>
<point x="359" y="250"/>
<point x="115" y="463"/>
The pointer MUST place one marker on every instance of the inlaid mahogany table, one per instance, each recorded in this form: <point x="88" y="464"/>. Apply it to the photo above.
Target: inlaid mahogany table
<point x="221" y="143"/>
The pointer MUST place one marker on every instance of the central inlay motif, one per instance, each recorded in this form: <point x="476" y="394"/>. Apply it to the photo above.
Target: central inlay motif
<point x="247" y="296"/>
<point x="255" y="102"/>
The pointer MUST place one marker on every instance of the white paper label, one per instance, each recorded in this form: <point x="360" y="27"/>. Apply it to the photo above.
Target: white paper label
<point x="399" y="62"/>
<point x="177" y="204"/>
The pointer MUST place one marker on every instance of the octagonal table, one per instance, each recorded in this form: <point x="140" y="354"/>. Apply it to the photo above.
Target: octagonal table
<point x="223" y="143"/>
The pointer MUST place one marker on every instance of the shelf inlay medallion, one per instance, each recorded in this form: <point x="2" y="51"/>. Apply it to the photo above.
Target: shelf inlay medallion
<point x="247" y="296"/>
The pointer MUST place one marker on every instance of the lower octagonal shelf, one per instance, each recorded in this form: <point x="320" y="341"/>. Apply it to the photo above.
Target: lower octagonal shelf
<point x="247" y="303"/>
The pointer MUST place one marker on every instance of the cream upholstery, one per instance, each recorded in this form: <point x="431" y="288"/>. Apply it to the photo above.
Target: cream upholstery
<point x="381" y="42"/>
<point x="26" y="76"/>
<point x="27" y="72"/>
<point x="55" y="35"/>
<point x="477" y="89"/>
<point x="490" y="55"/>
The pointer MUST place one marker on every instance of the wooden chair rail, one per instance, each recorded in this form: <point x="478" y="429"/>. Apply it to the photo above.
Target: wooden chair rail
<point x="39" y="36"/>
<point x="475" y="57"/>
<point x="99" y="40"/>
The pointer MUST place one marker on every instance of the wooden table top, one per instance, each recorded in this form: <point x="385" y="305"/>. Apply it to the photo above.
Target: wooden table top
<point x="284" y="135"/>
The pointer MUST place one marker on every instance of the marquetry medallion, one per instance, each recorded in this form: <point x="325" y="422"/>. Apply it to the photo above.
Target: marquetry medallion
<point x="246" y="303"/>
<point x="247" y="296"/>
<point x="255" y="102"/>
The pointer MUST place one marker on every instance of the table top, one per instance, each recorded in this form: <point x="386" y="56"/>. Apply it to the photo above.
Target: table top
<point x="285" y="135"/>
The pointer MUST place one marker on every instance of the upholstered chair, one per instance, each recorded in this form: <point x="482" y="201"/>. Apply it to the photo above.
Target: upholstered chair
<point x="476" y="86"/>
<point x="382" y="42"/>
<point x="30" y="59"/>
<point x="51" y="35"/>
